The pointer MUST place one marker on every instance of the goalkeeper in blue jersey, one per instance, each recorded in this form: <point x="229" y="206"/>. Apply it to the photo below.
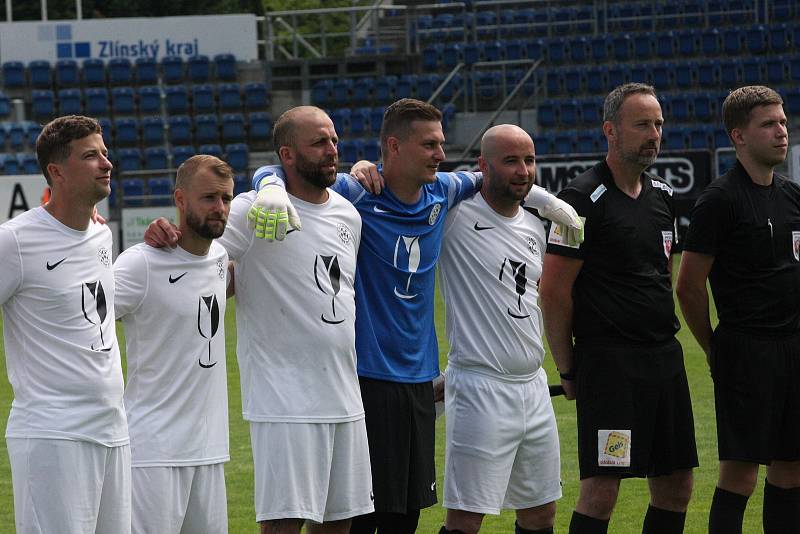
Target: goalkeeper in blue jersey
<point x="396" y="341"/>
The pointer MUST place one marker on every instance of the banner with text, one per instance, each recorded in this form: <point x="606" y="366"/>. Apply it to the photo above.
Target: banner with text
<point x="20" y="193"/>
<point x="136" y="220"/>
<point x="130" y="38"/>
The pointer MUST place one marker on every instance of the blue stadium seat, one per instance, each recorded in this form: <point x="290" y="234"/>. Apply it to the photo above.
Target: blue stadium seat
<point x="372" y="150"/>
<point x="674" y="138"/>
<point x="752" y="71"/>
<point x="362" y="89"/>
<point x="534" y="49"/>
<point x="43" y="104"/>
<point x="426" y="84"/>
<point x="486" y="84"/>
<point x="129" y="159"/>
<point x="732" y="41"/>
<point x="622" y="47"/>
<point x="67" y="73"/>
<point x="794" y="69"/>
<point x="492" y="51"/>
<point x="385" y="87"/>
<point x="146" y="71"/>
<point x="710" y="42"/>
<point x="177" y="99"/>
<point x="238" y="156"/>
<point x="699" y="138"/>
<point x="321" y="92"/>
<point x="448" y="112"/>
<point x="739" y="12"/>
<point x="563" y="142"/>
<point x="721" y="138"/>
<point x="554" y="81"/>
<point x="703" y="105"/>
<point x="241" y="184"/>
<point x="730" y="73"/>
<point x="783" y="9"/>
<point x="13" y="74"/>
<point x="643" y="45"/>
<point x="41" y="73"/>
<point x="514" y="50"/>
<point x="206" y="129"/>
<point x="546" y="114"/>
<point x="451" y="55"/>
<point x="561" y="18"/>
<point x="96" y="101"/>
<point x="376" y="119"/>
<point x="260" y="127"/>
<point x="595" y="79"/>
<point x="431" y="56"/>
<point x="693" y="13"/>
<point x="233" y="126"/>
<point x="203" y="98"/>
<point x="617" y="75"/>
<point x="663" y="75"/>
<point x="155" y="158"/>
<point x="149" y="99"/>
<point x="120" y="71"/>
<point x="686" y="74"/>
<point x="342" y="88"/>
<point x="172" y="69"/>
<point x="180" y="129"/>
<point x="16" y="135"/>
<point x="127" y="132"/>
<point x="686" y="43"/>
<point x="94" y="72"/>
<point x="123" y="101"/>
<point x="578" y="50"/>
<point x="756" y="39"/>
<point x="665" y="45"/>
<point x="573" y="80"/>
<point x="106" y="128"/>
<point x="70" y="102"/>
<point x="777" y="68"/>
<point x="544" y="144"/>
<point x="348" y="150"/>
<point x="679" y="108"/>
<point x="32" y="131"/>
<point x="199" y="69"/>
<point x="341" y="120"/>
<point x="181" y="154"/>
<point x="591" y="111"/>
<point x="133" y="191"/>
<point x="160" y="190"/>
<point x="225" y="67"/>
<point x="708" y="74"/>
<point x="29" y="163"/>
<point x="152" y="131"/>
<point x="793" y="100"/>
<point x="779" y="38"/>
<point x="5" y="108"/>
<point x="640" y="73"/>
<point x="405" y="88"/>
<point x="568" y="112"/>
<point x="255" y="96"/>
<point x="600" y="47"/>
<point x="585" y="20"/>
<point x="211" y="150"/>
<point x="359" y="121"/>
<point x="584" y="143"/>
<point x="556" y="51"/>
<point x="10" y="164"/>
<point x="230" y="97"/>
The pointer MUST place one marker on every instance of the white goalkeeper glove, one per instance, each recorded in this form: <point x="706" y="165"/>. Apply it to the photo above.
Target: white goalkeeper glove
<point x="551" y="207"/>
<point x="271" y="214"/>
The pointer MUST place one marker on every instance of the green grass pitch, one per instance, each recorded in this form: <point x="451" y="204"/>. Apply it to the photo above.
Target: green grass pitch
<point x="633" y="496"/>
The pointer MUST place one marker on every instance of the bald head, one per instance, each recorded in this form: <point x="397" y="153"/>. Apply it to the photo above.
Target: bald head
<point x="501" y="135"/>
<point x="285" y="131"/>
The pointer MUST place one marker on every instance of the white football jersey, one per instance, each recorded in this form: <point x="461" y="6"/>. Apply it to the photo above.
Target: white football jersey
<point x="489" y="274"/>
<point x="62" y="357"/>
<point x="172" y="305"/>
<point x="295" y="313"/>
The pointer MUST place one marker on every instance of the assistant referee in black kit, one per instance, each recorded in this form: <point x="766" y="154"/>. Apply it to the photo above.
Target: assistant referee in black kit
<point x="745" y="237"/>
<point x="613" y="293"/>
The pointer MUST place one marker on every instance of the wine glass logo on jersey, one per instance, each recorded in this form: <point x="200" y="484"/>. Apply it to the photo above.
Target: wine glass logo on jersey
<point x="517" y="271"/>
<point x="406" y="255"/>
<point x="93" y="305"/>
<point x="328" y="274"/>
<point x="207" y="323"/>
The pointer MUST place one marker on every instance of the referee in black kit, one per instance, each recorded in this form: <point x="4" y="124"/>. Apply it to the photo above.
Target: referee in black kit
<point x="745" y="237"/>
<point x="613" y="293"/>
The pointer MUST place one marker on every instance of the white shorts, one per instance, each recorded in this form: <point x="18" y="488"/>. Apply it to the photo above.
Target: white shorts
<point x="502" y="447"/>
<point x="179" y="500"/>
<point x="316" y="471"/>
<point x="70" y="487"/>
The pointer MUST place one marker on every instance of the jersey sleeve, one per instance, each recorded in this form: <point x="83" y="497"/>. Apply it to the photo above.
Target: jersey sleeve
<point x="130" y="281"/>
<point x="556" y="242"/>
<point x="460" y="185"/>
<point x="269" y="174"/>
<point x="10" y="265"/>
<point x="710" y="223"/>
<point x="237" y="237"/>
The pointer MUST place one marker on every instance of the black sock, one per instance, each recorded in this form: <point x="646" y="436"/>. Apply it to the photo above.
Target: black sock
<point x="583" y="524"/>
<point x="781" y="509"/>
<point x="727" y="511"/>
<point x="660" y="521"/>
<point x="519" y="530"/>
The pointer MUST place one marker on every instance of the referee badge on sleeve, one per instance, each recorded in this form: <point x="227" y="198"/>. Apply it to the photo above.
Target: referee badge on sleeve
<point x="666" y="237"/>
<point x="563" y="236"/>
<point x="614" y="448"/>
<point x="796" y="245"/>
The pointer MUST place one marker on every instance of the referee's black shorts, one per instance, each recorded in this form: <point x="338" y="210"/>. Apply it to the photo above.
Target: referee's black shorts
<point x="634" y="411"/>
<point x="757" y="395"/>
<point x="400" y="422"/>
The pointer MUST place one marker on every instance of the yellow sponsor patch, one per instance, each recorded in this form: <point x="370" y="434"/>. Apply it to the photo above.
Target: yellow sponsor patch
<point x="614" y="448"/>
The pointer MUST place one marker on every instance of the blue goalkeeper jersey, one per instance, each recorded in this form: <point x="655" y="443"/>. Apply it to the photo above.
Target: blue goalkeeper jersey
<point x="395" y="275"/>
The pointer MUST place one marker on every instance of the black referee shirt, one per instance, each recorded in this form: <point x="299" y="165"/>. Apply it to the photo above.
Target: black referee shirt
<point x="623" y="292"/>
<point x="753" y="232"/>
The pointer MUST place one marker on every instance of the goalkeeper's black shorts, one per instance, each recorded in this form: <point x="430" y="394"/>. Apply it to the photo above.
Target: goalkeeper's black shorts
<point x="400" y="429"/>
<point x="634" y="411"/>
<point x="757" y="394"/>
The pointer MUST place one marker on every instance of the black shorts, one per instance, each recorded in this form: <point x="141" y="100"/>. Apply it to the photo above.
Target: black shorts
<point x="757" y="395"/>
<point x="634" y="411"/>
<point x="400" y="428"/>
